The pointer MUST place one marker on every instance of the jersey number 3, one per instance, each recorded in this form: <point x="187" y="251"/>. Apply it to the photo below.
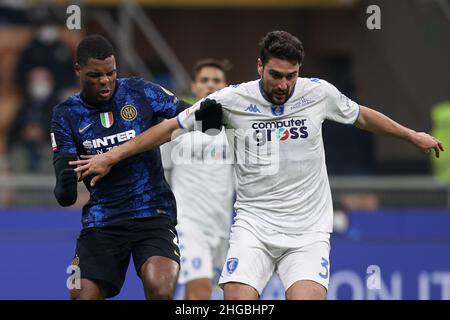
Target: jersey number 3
<point x="325" y="265"/>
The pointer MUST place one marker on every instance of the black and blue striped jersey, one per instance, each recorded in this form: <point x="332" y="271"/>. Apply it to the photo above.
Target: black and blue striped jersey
<point x="135" y="187"/>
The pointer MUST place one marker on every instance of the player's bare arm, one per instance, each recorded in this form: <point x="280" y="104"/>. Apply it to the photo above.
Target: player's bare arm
<point x="378" y="123"/>
<point x="99" y="165"/>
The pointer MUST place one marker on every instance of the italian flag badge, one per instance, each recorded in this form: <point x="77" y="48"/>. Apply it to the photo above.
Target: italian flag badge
<point x="107" y="119"/>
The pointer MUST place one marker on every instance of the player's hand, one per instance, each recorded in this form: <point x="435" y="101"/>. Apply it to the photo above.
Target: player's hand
<point x="78" y="173"/>
<point x="97" y="166"/>
<point x="210" y="115"/>
<point x="427" y="143"/>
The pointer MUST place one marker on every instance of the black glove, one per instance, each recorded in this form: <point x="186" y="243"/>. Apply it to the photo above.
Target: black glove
<point x="66" y="187"/>
<point x="210" y="115"/>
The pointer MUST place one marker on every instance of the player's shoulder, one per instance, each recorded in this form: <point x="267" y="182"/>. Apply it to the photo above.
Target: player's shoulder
<point x="234" y="91"/>
<point x="313" y="83"/>
<point x="68" y="106"/>
<point x="245" y="87"/>
<point x="143" y="85"/>
<point x="314" y="86"/>
<point x="132" y="83"/>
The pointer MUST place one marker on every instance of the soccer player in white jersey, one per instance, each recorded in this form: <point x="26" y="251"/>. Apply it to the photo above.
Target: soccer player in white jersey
<point x="283" y="208"/>
<point x="199" y="169"/>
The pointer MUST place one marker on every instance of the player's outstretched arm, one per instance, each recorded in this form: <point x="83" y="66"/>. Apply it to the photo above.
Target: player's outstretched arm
<point x="65" y="190"/>
<point x="99" y="165"/>
<point x="377" y="122"/>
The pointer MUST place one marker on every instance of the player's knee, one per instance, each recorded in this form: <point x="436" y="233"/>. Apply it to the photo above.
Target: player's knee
<point x="160" y="292"/>
<point x="306" y="290"/>
<point x="231" y="293"/>
<point x="239" y="291"/>
<point x="198" y="294"/>
<point x="159" y="276"/>
<point x="161" y="287"/>
<point x="88" y="290"/>
<point x="198" y="289"/>
<point x="83" y="295"/>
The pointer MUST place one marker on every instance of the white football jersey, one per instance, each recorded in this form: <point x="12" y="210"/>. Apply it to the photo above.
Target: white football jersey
<point x="202" y="180"/>
<point x="279" y="154"/>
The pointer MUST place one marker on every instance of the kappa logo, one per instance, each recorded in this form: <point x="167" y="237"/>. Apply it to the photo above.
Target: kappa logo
<point x="232" y="264"/>
<point x="253" y="108"/>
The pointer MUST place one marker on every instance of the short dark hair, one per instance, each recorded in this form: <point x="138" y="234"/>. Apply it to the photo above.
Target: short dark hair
<point x="223" y="65"/>
<point x="93" y="46"/>
<point x="281" y="45"/>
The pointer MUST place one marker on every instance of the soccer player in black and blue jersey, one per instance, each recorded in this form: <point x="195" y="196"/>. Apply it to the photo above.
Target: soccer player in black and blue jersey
<point x="133" y="210"/>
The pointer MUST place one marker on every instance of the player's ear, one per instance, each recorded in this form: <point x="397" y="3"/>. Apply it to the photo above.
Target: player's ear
<point x="77" y="69"/>
<point x="260" y="67"/>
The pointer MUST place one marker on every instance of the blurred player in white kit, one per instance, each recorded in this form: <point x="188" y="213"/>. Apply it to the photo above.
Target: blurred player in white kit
<point x="284" y="211"/>
<point x="200" y="172"/>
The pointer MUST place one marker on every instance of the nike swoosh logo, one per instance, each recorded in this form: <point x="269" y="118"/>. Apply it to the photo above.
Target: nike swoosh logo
<point x="81" y="130"/>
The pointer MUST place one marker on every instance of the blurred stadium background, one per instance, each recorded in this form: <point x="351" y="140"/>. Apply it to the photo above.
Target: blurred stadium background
<point x="392" y="202"/>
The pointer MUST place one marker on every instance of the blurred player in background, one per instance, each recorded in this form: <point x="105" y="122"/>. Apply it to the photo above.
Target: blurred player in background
<point x="199" y="170"/>
<point x="133" y="211"/>
<point x="284" y="212"/>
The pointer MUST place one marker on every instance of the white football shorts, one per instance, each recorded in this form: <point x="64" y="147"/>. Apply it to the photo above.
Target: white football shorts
<point x="254" y="255"/>
<point x="202" y="255"/>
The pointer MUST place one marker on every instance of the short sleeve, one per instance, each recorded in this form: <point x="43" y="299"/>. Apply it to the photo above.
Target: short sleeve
<point x="338" y="107"/>
<point x="186" y="119"/>
<point x="163" y="102"/>
<point x="61" y="134"/>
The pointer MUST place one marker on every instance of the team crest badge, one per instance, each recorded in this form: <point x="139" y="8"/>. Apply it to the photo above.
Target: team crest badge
<point x="107" y="119"/>
<point x="232" y="264"/>
<point x="128" y="112"/>
<point x="277" y="110"/>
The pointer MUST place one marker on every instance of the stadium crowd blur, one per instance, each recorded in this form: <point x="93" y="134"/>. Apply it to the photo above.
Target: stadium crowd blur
<point x="36" y="70"/>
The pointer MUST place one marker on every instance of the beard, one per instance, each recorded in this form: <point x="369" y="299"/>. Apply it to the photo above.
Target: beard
<point x="271" y="95"/>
